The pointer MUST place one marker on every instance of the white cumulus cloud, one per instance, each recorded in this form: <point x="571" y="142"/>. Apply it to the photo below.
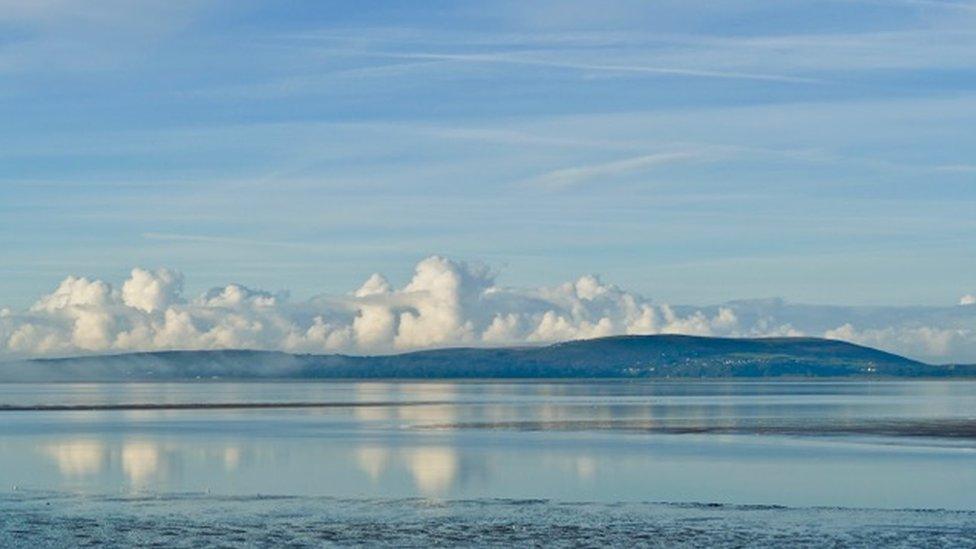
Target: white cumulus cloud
<point x="444" y="303"/>
<point x="152" y="291"/>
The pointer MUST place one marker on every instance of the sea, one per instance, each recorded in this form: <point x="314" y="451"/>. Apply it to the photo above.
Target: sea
<point x="489" y="463"/>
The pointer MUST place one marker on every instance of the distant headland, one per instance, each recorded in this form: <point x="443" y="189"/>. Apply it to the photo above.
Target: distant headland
<point x="651" y="356"/>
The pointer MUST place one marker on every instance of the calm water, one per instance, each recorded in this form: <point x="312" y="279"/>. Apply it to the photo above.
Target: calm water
<point x="849" y="444"/>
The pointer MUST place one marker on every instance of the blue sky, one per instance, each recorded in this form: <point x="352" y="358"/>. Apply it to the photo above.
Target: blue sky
<point x="822" y="152"/>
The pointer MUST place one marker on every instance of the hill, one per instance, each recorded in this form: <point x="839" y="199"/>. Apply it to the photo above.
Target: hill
<point x="656" y="356"/>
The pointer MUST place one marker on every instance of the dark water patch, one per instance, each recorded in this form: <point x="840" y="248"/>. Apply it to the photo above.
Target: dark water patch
<point x="936" y="428"/>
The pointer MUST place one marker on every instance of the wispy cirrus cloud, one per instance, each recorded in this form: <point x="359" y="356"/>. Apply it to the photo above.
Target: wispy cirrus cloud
<point x="957" y="168"/>
<point x="564" y="178"/>
<point x="526" y="60"/>
<point x="943" y="4"/>
<point x="342" y="155"/>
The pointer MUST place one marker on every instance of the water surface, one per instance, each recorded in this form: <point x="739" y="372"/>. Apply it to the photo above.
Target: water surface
<point x="836" y="444"/>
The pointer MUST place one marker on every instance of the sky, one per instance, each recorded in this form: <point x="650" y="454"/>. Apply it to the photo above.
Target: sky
<point x="704" y="155"/>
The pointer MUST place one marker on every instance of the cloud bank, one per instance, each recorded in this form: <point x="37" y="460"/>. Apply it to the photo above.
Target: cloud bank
<point x="445" y="303"/>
